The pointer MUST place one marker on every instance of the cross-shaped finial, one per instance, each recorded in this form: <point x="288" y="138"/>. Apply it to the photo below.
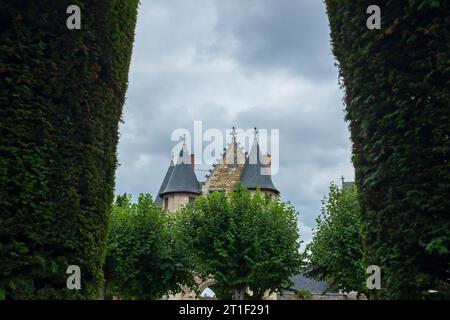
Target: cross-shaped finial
<point x="233" y="134"/>
<point x="342" y="179"/>
<point x="255" y="133"/>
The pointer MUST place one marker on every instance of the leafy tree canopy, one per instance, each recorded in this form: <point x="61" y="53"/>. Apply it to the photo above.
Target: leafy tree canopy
<point x="144" y="259"/>
<point x="242" y="241"/>
<point x="335" y="254"/>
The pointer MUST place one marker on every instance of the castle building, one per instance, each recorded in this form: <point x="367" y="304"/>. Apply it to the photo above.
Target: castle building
<point x="180" y="185"/>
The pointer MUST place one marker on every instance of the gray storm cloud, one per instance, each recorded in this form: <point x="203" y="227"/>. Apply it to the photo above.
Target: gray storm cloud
<point x="262" y="63"/>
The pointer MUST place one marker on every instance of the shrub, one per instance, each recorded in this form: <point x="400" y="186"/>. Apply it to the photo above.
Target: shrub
<point x="303" y="294"/>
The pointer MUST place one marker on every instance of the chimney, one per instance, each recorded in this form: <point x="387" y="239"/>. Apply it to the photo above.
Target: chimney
<point x="193" y="160"/>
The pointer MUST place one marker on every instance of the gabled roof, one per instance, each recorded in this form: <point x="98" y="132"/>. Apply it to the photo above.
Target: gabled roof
<point x="233" y="155"/>
<point x="182" y="178"/>
<point x="256" y="174"/>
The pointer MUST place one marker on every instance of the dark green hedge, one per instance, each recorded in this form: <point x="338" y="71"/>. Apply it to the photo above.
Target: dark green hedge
<point x="397" y="83"/>
<point x="61" y="98"/>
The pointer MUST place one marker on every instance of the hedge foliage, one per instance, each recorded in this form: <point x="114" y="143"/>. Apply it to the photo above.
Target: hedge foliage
<point x="61" y="98"/>
<point x="397" y="82"/>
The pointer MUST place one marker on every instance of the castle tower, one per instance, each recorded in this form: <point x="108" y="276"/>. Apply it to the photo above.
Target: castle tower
<point x="182" y="187"/>
<point x="256" y="171"/>
<point x="158" y="199"/>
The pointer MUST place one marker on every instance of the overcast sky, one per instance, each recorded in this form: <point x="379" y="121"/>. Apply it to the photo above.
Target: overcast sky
<point x="262" y="63"/>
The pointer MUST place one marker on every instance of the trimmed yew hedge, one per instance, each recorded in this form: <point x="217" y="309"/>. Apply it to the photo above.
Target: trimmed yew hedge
<point x="61" y="98"/>
<point x="397" y="83"/>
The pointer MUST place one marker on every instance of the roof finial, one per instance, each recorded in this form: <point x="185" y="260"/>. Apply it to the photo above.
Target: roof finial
<point x="184" y="154"/>
<point x="233" y="134"/>
<point x="255" y="134"/>
<point x="342" y="180"/>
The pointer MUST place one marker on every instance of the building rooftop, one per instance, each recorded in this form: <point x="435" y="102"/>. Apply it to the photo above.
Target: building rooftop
<point x="158" y="199"/>
<point x="256" y="174"/>
<point x="313" y="286"/>
<point x="182" y="178"/>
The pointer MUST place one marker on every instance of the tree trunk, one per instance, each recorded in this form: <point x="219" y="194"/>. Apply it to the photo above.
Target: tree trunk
<point x="239" y="294"/>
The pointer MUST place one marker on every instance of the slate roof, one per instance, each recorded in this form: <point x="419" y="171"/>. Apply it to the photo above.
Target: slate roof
<point x="158" y="199"/>
<point x="251" y="175"/>
<point x="302" y="282"/>
<point x="182" y="178"/>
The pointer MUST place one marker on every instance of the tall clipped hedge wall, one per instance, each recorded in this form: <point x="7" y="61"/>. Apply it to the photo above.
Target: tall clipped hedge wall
<point x="61" y="98"/>
<point x="397" y="84"/>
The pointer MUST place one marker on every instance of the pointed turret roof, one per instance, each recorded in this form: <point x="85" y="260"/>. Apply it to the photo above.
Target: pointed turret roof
<point x="183" y="178"/>
<point x="255" y="173"/>
<point x="158" y="199"/>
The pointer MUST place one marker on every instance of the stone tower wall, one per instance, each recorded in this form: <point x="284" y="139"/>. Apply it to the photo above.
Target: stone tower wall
<point x="224" y="177"/>
<point x="176" y="200"/>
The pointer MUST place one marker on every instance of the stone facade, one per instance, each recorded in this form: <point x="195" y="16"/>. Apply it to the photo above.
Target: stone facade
<point x="174" y="201"/>
<point x="180" y="185"/>
<point x="226" y="174"/>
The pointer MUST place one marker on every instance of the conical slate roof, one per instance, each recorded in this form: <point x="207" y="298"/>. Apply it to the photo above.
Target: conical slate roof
<point x="158" y="200"/>
<point x="255" y="173"/>
<point x="183" y="178"/>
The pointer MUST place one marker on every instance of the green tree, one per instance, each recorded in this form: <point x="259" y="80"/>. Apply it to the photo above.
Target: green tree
<point x="61" y="98"/>
<point x="145" y="260"/>
<point x="242" y="241"/>
<point x="335" y="254"/>
<point x="397" y="82"/>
